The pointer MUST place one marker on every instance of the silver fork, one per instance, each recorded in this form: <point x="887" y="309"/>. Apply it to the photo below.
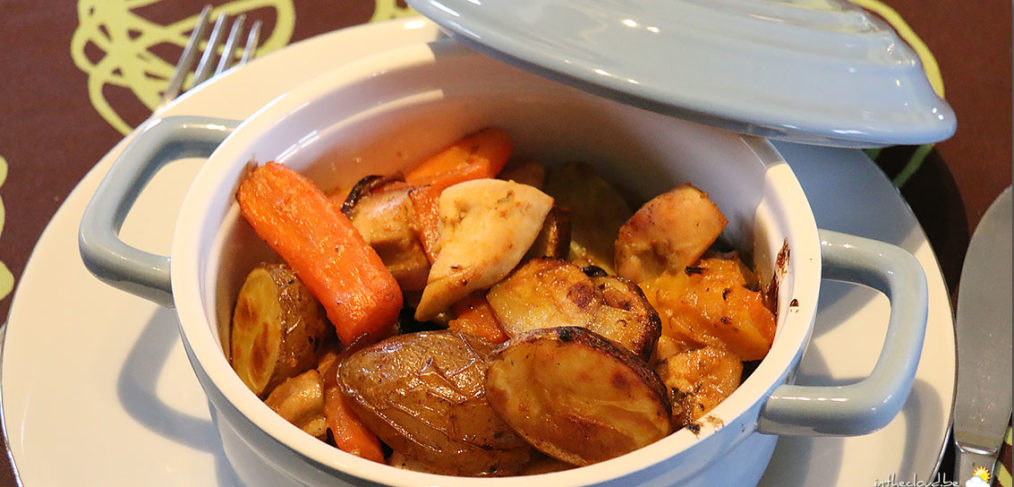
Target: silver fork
<point x="207" y="67"/>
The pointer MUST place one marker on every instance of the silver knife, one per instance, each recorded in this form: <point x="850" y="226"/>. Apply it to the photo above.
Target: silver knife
<point x="983" y="400"/>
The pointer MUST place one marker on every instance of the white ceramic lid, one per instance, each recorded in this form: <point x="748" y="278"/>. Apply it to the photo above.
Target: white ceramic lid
<point x="810" y="71"/>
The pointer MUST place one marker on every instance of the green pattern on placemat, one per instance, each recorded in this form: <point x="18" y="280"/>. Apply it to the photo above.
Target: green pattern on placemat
<point x="1002" y="471"/>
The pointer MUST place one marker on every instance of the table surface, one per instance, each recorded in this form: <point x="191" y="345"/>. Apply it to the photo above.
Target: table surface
<point x="72" y="92"/>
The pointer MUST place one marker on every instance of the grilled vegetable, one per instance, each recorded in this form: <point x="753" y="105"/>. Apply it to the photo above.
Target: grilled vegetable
<point x="525" y="171"/>
<point x="386" y="220"/>
<point x="627" y="317"/>
<point x="276" y="327"/>
<point x="475" y="156"/>
<point x="554" y="238"/>
<point x="711" y="303"/>
<point x="545" y="293"/>
<point x="474" y="316"/>
<point x="348" y="432"/>
<point x="300" y="400"/>
<point x="575" y="396"/>
<point x="667" y="234"/>
<point x="299" y="222"/>
<point x="488" y="225"/>
<point x="422" y="394"/>
<point x="698" y="380"/>
<point x="596" y="212"/>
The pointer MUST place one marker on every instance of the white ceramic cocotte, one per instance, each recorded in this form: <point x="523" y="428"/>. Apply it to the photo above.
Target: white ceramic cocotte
<point x="389" y="111"/>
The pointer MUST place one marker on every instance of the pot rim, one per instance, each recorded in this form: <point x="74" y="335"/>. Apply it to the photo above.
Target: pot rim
<point x="198" y="318"/>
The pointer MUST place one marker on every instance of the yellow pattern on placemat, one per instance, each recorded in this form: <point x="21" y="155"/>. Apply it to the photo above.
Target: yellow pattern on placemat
<point x="1002" y="474"/>
<point x="6" y="278"/>
<point x="125" y="38"/>
<point x="389" y="9"/>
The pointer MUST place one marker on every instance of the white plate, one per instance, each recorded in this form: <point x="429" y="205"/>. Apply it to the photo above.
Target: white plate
<point x="97" y="390"/>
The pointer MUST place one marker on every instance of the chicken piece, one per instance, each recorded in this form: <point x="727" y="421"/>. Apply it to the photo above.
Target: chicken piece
<point x="487" y="225"/>
<point x="525" y="171"/>
<point x="667" y="234"/>
<point x="384" y="218"/>
<point x="698" y="380"/>
<point x="300" y="400"/>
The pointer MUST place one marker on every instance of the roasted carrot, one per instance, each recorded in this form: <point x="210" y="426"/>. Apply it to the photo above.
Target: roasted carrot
<point x="349" y="433"/>
<point x="475" y="316"/>
<point x="320" y="244"/>
<point x="427" y="218"/>
<point x="479" y="155"/>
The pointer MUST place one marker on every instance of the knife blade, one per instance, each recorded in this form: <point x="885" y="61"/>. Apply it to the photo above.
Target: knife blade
<point x="983" y="398"/>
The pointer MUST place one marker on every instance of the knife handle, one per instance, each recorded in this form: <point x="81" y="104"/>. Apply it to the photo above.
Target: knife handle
<point x="871" y="403"/>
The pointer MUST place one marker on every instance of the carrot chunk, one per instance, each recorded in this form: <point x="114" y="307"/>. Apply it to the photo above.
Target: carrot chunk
<point x="479" y="155"/>
<point x="320" y="244"/>
<point x="427" y="218"/>
<point x="474" y="315"/>
<point x="348" y="431"/>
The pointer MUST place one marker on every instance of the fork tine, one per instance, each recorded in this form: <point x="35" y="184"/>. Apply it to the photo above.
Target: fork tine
<point x="205" y="66"/>
<point x="251" y="42"/>
<point x="187" y="58"/>
<point x="229" y="52"/>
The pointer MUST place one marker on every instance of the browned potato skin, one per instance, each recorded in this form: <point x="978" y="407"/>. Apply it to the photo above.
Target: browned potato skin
<point x="627" y="318"/>
<point x="303" y="325"/>
<point x="668" y="233"/>
<point x="300" y="400"/>
<point x="545" y="293"/>
<point x="554" y="238"/>
<point x="698" y="380"/>
<point x="423" y="395"/>
<point x="577" y="397"/>
<point x="597" y="211"/>
<point x="385" y="219"/>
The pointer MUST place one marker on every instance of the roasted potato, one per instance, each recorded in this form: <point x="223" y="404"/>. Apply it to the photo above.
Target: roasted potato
<point x="575" y="396"/>
<point x="488" y="225"/>
<point x="525" y="171"/>
<point x="627" y="317"/>
<point x="545" y="293"/>
<point x="698" y="380"/>
<point x="667" y="234"/>
<point x="385" y="219"/>
<point x="712" y="303"/>
<point x="276" y="328"/>
<point x="423" y="395"/>
<point x="300" y="400"/>
<point x="554" y="238"/>
<point x="597" y="211"/>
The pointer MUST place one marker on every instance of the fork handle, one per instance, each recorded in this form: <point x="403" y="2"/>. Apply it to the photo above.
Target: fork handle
<point x="157" y="143"/>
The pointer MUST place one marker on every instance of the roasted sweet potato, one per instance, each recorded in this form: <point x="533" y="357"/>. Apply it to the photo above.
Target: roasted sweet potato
<point x="597" y="210"/>
<point x="698" y="380"/>
<point x="545" y="293"/>
<point x="300" y="400"/>
<point x="575" y="396"/>
<point x="276" y="327"/>
<point x="488" y="225"/>
<point x="711" y="303"/>
<point x="423" y="395"/>
<point x="667" y="234"/>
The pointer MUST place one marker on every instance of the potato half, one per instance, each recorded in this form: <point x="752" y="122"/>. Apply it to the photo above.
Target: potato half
<point x="577" y="397"/>
<point x="545" y="293"/>
<point x="423" y="395"/>
<point x="276" y="327"/>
